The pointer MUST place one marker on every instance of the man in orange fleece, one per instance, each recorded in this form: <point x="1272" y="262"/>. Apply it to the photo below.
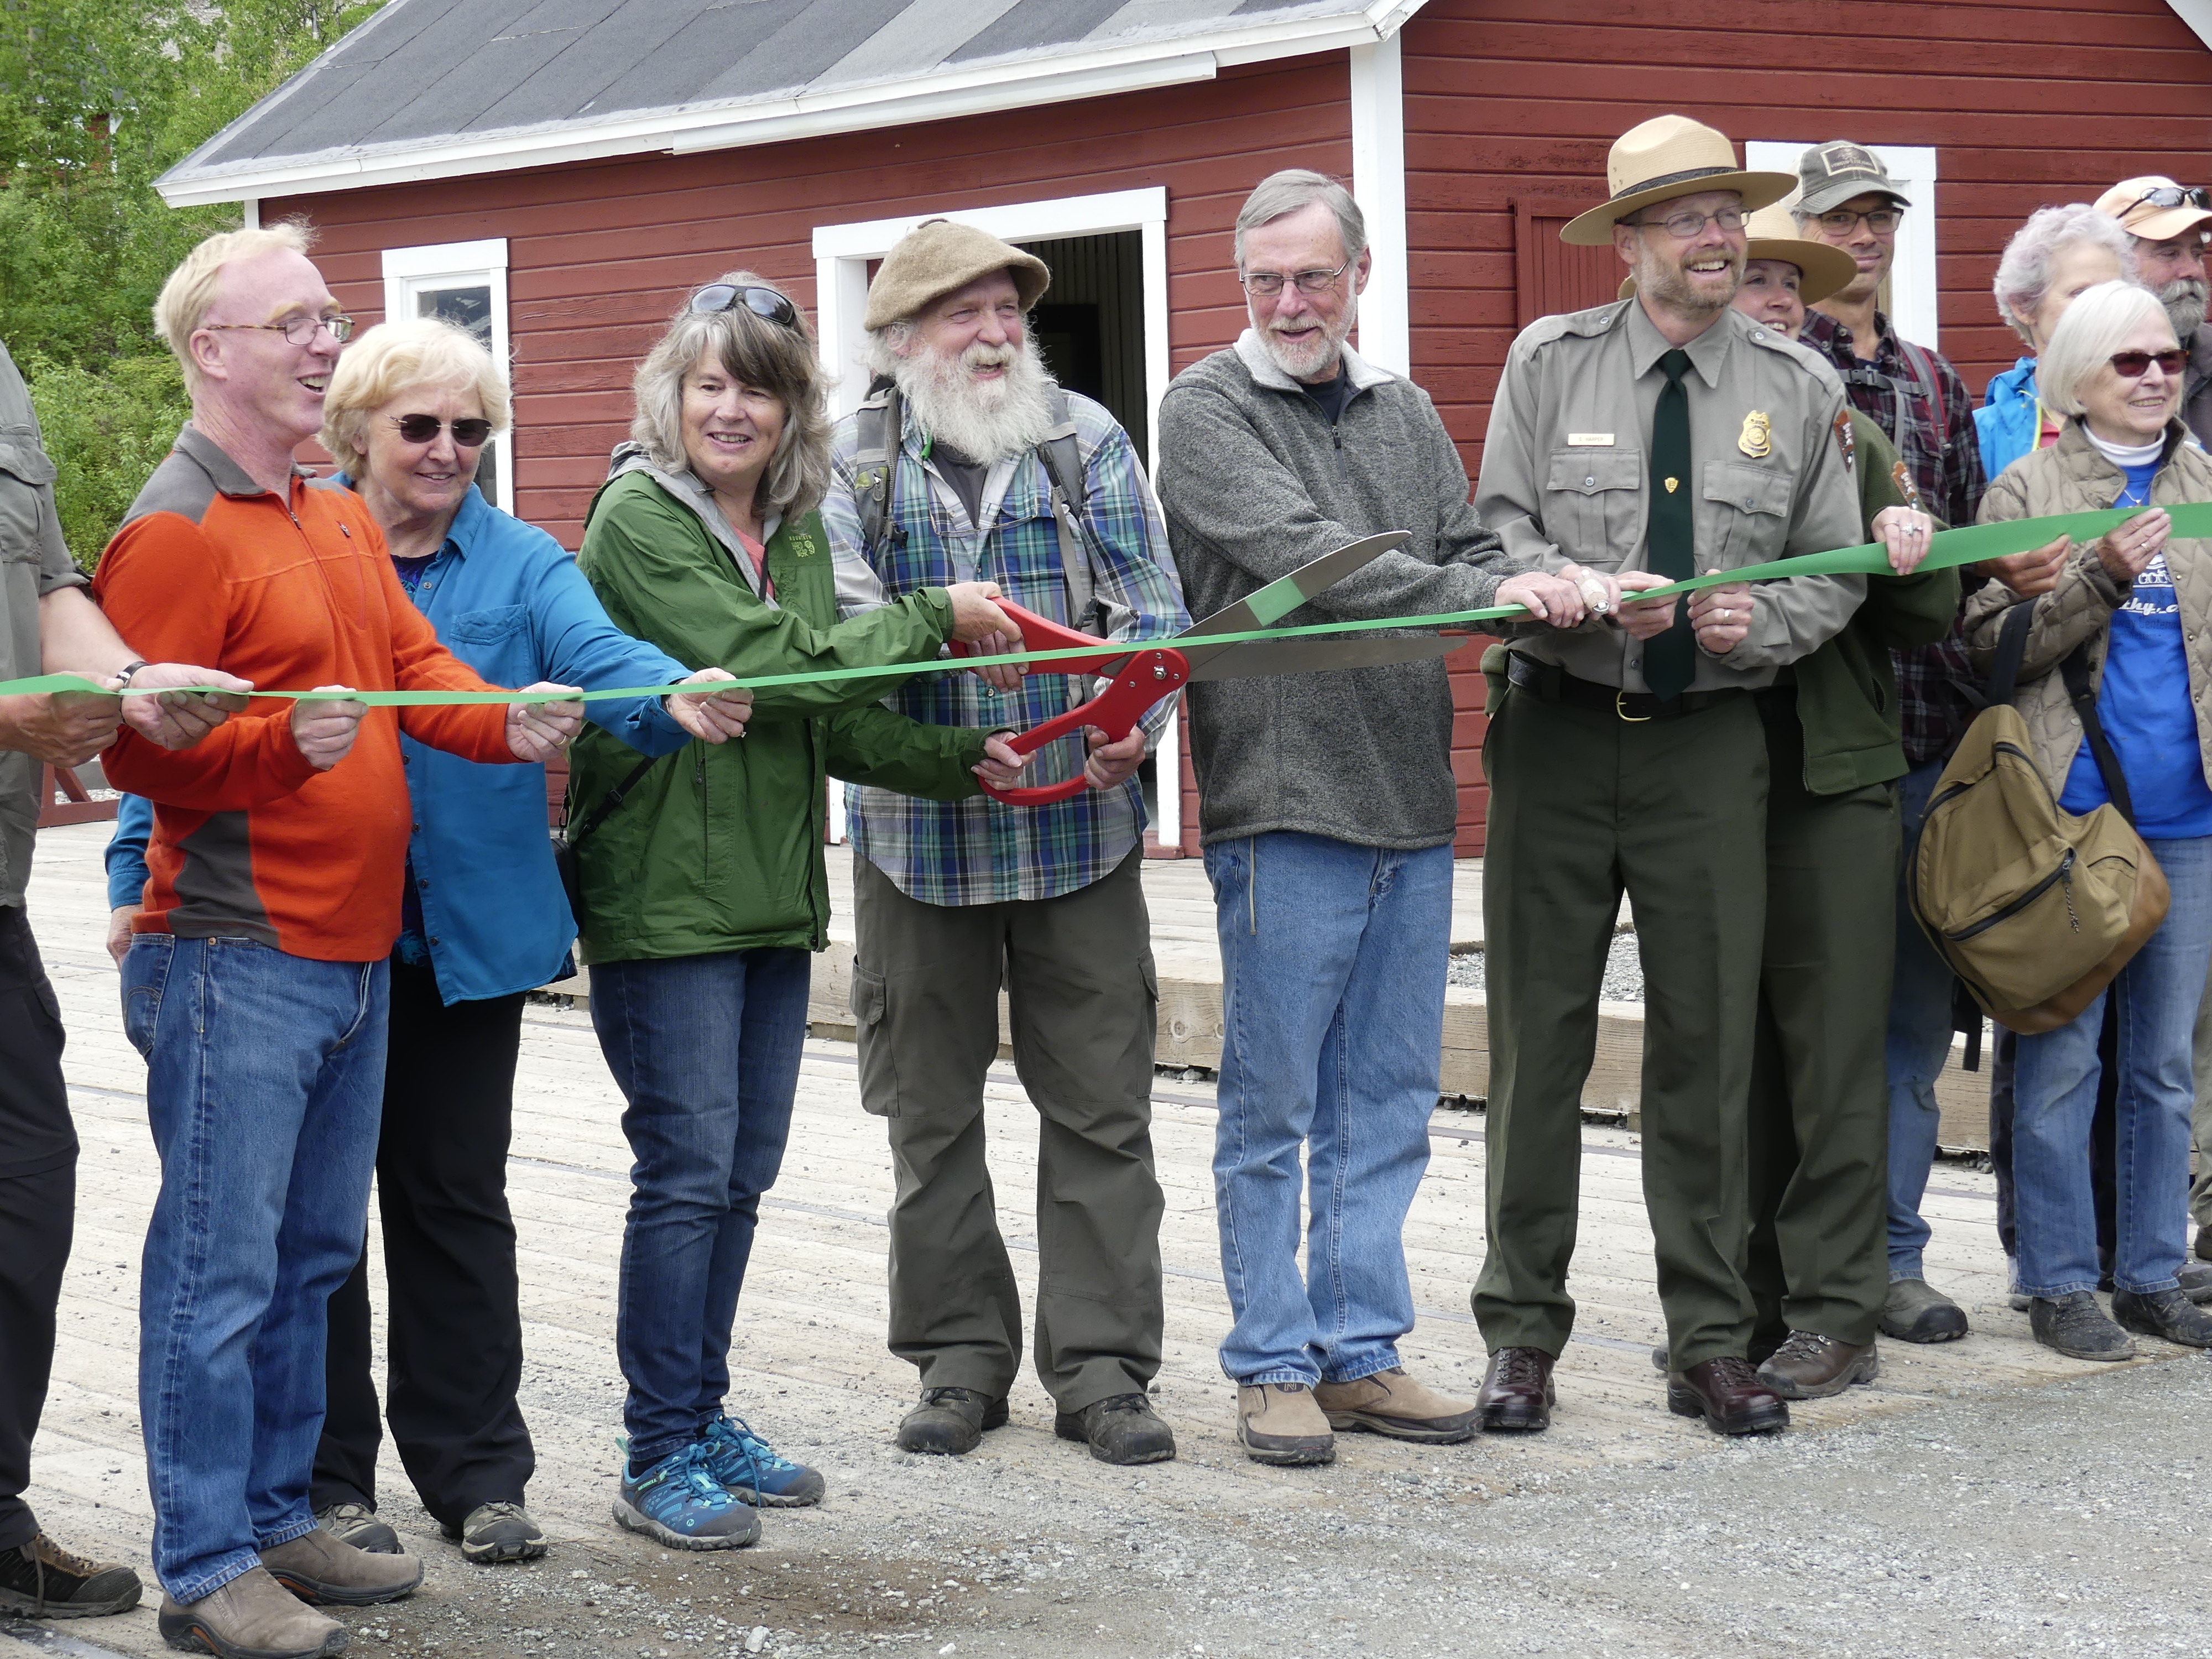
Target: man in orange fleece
<point x="256" y="982"/>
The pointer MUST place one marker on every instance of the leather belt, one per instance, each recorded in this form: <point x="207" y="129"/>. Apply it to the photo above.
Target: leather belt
<point x="1552" y="684"/>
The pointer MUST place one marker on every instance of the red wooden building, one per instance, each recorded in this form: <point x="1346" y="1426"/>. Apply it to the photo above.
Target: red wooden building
<point x="559" y="172"/>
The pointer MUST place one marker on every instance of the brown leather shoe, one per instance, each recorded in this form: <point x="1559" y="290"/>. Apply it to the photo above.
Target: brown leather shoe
<point x="1728" y="1395"/>
<point x="1518" y="1396"/>
<point x="1278" y="1423"/>
<point x="1810" y="1366"/>
<point x="250" y="1617"/>
<point x="317" y="1567"/>
<point x="1392" y="1403"/>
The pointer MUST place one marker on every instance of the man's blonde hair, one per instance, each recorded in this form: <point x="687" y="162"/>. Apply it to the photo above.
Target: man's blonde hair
<point x="395" y="357"/>
<point x="186" y="297"/>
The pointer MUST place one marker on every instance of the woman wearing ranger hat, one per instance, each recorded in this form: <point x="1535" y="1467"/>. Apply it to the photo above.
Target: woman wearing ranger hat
<point x="1629" y="444"/>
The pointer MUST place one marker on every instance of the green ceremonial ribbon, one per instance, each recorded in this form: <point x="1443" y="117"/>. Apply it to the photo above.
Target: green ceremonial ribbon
<point x="1947" y="549"/>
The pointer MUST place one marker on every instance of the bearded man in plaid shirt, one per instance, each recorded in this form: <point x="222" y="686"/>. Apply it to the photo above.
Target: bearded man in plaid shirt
<point x="967" y="463"/>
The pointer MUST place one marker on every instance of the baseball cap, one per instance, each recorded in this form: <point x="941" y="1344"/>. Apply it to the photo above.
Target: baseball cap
<point x="2155" y="208"/>
<point x="1831" y="174"/>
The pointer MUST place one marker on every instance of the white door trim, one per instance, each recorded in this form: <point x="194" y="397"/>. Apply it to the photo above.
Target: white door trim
<point x="1378" y="180"/>
<point x="406" y="269"/>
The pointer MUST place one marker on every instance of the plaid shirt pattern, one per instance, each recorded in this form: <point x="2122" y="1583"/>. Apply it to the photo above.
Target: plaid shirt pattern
<point x="977" y="851"/>
<point x="1917" y="398"/>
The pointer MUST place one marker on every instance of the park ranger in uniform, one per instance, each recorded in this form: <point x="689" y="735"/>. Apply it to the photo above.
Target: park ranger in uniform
<point x="1632" y="443"/>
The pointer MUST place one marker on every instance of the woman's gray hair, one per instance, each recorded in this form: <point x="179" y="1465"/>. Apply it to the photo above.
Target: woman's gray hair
<point x="2024" y="271"/>
<point x="760" y="352"/>
<point x="1292" y="188"/>
<point x="2097" y="325"/>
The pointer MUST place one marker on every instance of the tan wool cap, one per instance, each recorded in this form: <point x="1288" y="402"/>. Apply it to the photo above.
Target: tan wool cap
<point x="2129" y="202"/>
<point x="1666" y="157"/>
<point x="939" y="257"/>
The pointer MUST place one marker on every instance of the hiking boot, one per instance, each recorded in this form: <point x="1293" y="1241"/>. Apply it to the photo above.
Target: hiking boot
<point x="2077" y="1327"/>
<point x="1810" y="1366"/>
<point x="1517" y="1393"/>
<point x="2195" y="1278"/>
<point x="1279" y="1423"/>
<point x="497" y="1532"/>
<point x="317" y="1567"/>
<point x="2204" y="1244"/>
<point x="1121" y="1429"/>
<point x="749" y="1468"/>
<point x="42" y="1580"/>
<point x="1916" y="1311"/>
<point x="1730" y="1396"/>
<point x="252" y="1617"/>
<point x="357" y="1525"/>
<point x="1392" y="1403"/>
<point x="2169" y="1315"/>
<point x="950" y="1421"/>
<point x="678" y="1502"/>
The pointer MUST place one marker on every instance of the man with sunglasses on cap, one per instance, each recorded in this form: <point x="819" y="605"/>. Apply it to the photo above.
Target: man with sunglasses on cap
<point x="967" y="460"/>
<point x="1660" y="436"/>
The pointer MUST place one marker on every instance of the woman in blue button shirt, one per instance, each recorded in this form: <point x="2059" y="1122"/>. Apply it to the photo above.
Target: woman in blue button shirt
<point x="485" y="920"/>
<point x="2138" y="605"/>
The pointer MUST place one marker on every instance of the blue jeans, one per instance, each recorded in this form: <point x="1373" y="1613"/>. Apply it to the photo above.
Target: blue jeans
<point x="1332" y="959"/>
<point x="264" y="1087"/>
<point x="705" y="1051"/>
<point x="1919" y="1042"/>
<point x="2055" y="1091"/>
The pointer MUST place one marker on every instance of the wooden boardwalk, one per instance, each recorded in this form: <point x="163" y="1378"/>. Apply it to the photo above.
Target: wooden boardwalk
<point x="812" y="1370"/>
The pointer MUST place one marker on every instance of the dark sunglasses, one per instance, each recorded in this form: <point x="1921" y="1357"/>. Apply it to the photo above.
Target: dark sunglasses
<point x="2134" y="365"/>
<point x="423" y="428"/>
<point x="2174" y="195"/>
<point x="760" y="301"/>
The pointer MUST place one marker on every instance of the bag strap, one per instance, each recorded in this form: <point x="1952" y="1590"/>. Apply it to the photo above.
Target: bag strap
<point x="1062" y="458"/>
<point x="875" y="463"/>
<point x="613" y="799"/>
<point x="2012" y="650"/>
<point x="2075" y="669"/>
<point x="1923" y="369"/>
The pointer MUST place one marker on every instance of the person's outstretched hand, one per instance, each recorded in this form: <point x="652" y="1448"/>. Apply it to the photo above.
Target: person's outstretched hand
<point x="1644" y="619"/>
<point x="325" y="731"/>
<point x="539" y="731"/>
<point x="177" y="720"/>
<point x="711" y="716"/>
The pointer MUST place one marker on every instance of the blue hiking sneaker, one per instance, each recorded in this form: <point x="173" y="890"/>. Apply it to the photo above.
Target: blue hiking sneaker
<point x="678" y="1502"/>
<point x="746" y="1465"/>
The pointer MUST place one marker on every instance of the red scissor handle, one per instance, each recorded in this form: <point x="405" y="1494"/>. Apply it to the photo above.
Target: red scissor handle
<point x="1149" y="673"/>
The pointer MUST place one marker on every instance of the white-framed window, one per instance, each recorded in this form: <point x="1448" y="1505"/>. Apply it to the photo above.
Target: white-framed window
<point x="464" y="282"/>
<point x="1912" y="306"/>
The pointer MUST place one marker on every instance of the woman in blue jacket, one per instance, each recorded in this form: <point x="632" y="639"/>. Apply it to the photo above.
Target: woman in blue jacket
<point x="485" y="920"/>
<point x="2058" y="254"/>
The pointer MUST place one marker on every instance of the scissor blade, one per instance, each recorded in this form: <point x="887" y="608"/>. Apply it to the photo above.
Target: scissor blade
<point x="1271" y="603"/>
<point x="1310" y="656"/>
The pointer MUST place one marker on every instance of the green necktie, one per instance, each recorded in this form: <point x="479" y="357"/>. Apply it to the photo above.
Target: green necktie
<point x="1670" y="660"/>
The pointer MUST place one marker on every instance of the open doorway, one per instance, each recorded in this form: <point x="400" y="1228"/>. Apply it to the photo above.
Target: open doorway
<point x="1090" y="326"/>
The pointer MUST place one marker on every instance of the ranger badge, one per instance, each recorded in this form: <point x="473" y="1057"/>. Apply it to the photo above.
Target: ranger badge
<point x="1845" y="441"/>
<point x="1757" y="438"/>
<point x="1905" y="487"/>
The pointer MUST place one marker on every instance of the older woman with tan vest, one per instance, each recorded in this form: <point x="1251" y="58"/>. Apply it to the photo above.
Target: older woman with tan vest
<point x="2129" y="620"/>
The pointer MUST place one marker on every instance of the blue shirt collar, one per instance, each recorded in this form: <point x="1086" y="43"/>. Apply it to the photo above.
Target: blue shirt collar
<point x="470" y="523"/>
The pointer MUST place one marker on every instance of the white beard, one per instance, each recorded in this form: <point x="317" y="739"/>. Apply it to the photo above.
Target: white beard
<point x="2185" y="301"/>
<point x="1320" y="356"/>
<point x="987" y="421"/>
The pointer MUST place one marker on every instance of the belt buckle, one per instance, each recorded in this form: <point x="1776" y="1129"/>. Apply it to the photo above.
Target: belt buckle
<point x="1620" y="707"/>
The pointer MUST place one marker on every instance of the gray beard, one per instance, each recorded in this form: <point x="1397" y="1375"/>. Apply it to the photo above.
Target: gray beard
<point x="2184" y="299"/>
<point x="985" y="421"/>
<point x="1323" y="359"/>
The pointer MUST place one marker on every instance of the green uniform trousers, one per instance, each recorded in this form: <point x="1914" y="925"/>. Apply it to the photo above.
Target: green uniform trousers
<point x="1583" y="804"/>
<point x="1083" y="997"/>
<point x="1818" y="1114"/>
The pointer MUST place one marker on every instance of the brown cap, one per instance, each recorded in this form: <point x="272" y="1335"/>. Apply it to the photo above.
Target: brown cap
<point x="1831" y="174"/>
<point x="2155" y="208"/>
<point x="1666" y="157"/>
<point x="939" y="257"/>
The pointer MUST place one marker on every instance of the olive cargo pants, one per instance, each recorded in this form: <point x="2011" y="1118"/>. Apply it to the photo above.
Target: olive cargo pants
<point x="1820" y="1104"/>
<point x="1077" y="972"/>
<point x="1584" y="805"/>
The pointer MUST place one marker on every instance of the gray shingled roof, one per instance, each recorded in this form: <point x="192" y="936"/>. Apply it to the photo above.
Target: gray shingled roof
<point x="424" y="74"/>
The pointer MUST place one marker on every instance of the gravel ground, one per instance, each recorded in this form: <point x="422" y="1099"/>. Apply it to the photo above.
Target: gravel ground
<point x="1624" y="974"/>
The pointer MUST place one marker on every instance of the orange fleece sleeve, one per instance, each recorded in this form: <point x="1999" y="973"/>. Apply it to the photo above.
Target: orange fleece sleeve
<point x="475" y="731"/>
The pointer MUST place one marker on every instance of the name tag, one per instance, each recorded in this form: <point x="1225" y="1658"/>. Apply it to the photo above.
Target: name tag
<point x="1589" y="441"/>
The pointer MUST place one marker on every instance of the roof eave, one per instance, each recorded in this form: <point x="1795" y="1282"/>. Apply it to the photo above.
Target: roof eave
<point x="1057" y="78"/>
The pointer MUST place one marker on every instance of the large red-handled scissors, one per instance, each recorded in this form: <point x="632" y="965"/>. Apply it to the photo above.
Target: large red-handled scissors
<point x="1143" y="674"/>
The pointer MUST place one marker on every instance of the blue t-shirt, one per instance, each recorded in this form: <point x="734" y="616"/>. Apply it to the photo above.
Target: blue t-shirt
<point x="2146" y="709"/>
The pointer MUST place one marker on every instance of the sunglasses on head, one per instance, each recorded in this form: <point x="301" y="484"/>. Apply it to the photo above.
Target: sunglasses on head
<point x="469" y="434"/>
<point x="2174" y="195"/>
<point x="760" y="301"/>
<point x="2134" y="365"/>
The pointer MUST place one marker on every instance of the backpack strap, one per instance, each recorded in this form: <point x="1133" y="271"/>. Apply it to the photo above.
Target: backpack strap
<point x="2012" y="650"/>
<point x="1062" y="458"/>
<point x="1923" y="368"/>
<point x="2083" y="695"/>
<point x="875" y="466"/>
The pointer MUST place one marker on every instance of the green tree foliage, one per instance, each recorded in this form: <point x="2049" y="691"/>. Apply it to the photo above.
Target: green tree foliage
<point x="98" y="97"/>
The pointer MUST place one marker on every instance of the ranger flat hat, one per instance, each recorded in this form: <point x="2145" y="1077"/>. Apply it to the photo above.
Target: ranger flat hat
<point x="1830" y="174"/>
<point x="1669" y="156"/>
<point x="2155" y="208"/>
<point x="1771" y="233"/>
<point x="939" y="257"/>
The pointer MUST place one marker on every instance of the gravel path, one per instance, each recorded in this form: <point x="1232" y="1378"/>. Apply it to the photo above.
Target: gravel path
<point x="1624" y="973"/>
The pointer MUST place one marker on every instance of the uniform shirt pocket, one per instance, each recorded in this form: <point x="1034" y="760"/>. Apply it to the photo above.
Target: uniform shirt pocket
<point x="1746" y="511"/>
<point x="25" y="468"/>
<point x="1594" y="504"/>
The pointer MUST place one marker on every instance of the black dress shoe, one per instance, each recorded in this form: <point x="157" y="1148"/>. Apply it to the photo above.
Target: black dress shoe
<point x="1728" y="1395"/>
<point x="1518" y="1396"/>
<point x="1124" y="1429"/>
<point x="2168" y="1315"/>
<point x="950" y="1421"/>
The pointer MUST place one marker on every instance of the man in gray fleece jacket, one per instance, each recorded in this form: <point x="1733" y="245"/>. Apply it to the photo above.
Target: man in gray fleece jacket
<point x="1329" y="807"/>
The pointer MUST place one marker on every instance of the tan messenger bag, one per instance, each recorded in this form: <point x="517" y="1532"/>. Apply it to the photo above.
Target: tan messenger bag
<point x="2035" y="910"/>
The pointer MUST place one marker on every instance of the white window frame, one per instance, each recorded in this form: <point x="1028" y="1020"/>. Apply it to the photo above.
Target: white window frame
<point x="1913" y="300"/>
<point x="841" y="253"/>
<point x="407" y="271"/>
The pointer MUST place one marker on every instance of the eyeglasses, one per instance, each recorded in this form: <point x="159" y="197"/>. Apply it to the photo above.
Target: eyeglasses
<point x="1842" y="222"/>
<point x="1268" y="284"/>
<point x="298" y="330"/>
<point x="2174" y="195"/>
<point x="469" y="434"/>
<point x="2134" y="365"/>
<point x="1683" y="225"/>
<point x="760" y="301"/>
